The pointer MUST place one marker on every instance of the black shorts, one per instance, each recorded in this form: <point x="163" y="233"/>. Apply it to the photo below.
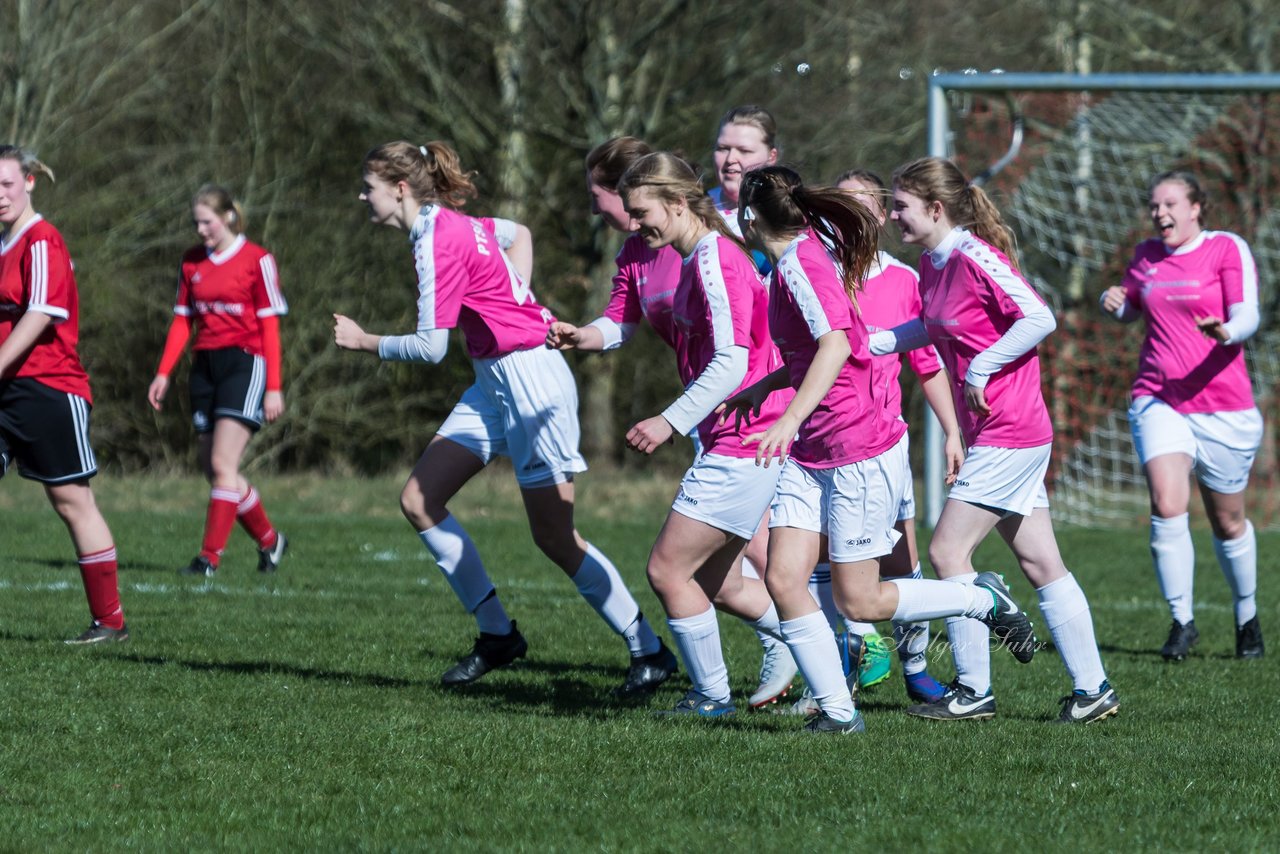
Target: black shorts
<point x="227" y="383"/>
<point x="46" y="431"/>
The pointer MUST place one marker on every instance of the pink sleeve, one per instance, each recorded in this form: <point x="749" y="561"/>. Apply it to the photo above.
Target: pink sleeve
<point x="738" y="278"/>
<point x="1233" y="273"/>
<point x="923" y="361"/>
<point x="1131" y="283"/>
<point x="624" y="299"/>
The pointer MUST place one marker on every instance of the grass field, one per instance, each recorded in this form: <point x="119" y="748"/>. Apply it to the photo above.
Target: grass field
<point x="302" y="711"/>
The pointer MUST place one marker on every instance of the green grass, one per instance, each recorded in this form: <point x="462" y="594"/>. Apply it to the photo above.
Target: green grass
<point x="303" y="710"/>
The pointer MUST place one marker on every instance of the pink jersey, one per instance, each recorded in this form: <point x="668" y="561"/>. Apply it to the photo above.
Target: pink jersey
<point x="806" y="301"/>
<point x="465" y="280"/>
<point x="1179" y="364"/>
<point x="645" y="286"/>
<point x="719" y="303"/>
<point x="227" y="293"/>
<point x="36" y="275"/>
<point x="972" y="295"/>
<point x="728" y="210"/>
<point x="890" y="297"/>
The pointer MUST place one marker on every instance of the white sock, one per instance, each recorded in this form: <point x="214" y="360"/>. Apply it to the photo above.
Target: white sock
<point x="598" y="581"/>
<point x="767" y="626"/>
<point x="970" y="645"/>
<point x="926" y="599"/>
<point x="698" y="640"/>
<point x="813" y="646"/>
<point x="1066" y="611"/>
<point x="857" y="628"/>
<point x="820" y="590"/>
<point x="1239" y="561"/>
<point x="1175" y="561"/>
<point x="912" y="638"/>
<point x="458" y="559"/>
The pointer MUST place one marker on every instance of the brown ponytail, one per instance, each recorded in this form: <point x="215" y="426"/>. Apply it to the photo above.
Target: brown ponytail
<point x="433" y="171"/>
<point x="936" y="180"/>
<point x="27" y="161"/>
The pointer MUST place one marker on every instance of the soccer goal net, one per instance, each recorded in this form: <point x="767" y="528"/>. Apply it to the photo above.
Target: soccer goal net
<point x="1072" y="157"/>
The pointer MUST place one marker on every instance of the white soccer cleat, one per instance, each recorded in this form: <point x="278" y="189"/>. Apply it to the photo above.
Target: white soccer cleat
<point x="777" y="671"/>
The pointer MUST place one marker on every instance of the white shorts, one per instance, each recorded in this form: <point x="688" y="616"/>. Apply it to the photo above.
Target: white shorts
<point x="728" y="493"/>
<point x="907" y="508"/>
<point x="524" y="405"/>
<point x="1008" y="480"/>
<point x="1221" y="445"/>
<point x="855" y="505"/>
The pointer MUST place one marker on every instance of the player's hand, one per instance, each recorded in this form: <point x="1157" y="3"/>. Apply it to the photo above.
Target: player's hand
<point x="563" y="336"/>
<point x="953" y="451"/>
<point x="976" y="399"/>
<point x="742" y="407"/>
<point x="155" y="394"/>
<point x="1212" y="327"/>
<point x="774" y="442"/>
<point x="347" y="334"/>
<point x="273" y="405"/>
<point x="648" y="435"/>
<point x="1113" y="299"/>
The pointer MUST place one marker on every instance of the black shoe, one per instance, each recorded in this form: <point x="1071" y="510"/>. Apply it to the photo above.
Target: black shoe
<point x="489" y="653"/>
<point x="98" y="633"/>
<point x="1182" y="636"/>
<point x="1082" y="708"/>
<point x="200" y="565"/>
<point x="960" y="703"/>
<point x="824" y="724"/>
<point x="1007" y="621"/>
<point x="1249" y="640"/>
<point x="269" y="559"/>
<point x="646" y="673"/>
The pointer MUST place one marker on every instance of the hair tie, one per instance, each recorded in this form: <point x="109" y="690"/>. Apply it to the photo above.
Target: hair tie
<point x="422" y="149"/>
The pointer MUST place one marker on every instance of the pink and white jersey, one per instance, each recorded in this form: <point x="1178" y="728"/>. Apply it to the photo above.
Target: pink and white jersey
<point x="890" y="297"/>
<point x="465" y="280"/>
<point x="645" y="286"/>
<point x="728" y="210"/>
<point x="1202" y="278"/>
<point x="972" y="295"/>
<point x="806" y="301"/>
<point x="719" y="303"/>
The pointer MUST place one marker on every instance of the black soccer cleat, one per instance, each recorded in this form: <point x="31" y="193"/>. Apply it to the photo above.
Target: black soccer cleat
<point x="1083" y="708"/>
<point x="200" y="565"/>
<point x="1249" y="640"/>
<point x="1007" y="621"/>
<point x="824" y="724"/>
<point x="1182" y="636"/>
<point x="959" y="703"/>
<point x="269" y="559"/>
<point x="489" y="653"/>
<point x="646" y="673"/>
<point x="98" y="633"/>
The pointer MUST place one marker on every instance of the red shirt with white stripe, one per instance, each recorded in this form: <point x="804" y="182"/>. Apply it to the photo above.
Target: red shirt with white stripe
<point x="227" y="292"/>
<point x="36" y="275"/>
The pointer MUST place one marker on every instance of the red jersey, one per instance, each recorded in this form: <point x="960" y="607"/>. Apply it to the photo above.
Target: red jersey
<point x="36" y="275"/>
<point x="226" y="293"/>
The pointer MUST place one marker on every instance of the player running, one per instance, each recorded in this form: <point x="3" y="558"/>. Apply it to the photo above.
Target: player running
<point x="1193" y="410"/>
<point x="229" y="288"/>
<point x="523" y="405"/>
<point x="45" y="401"/>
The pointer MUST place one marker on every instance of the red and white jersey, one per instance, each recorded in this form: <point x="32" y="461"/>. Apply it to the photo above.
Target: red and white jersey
<point x="971" y="296"/>
<point x="890" y="297"/>
<point x="1202" y="278"/>
<point x="645" y="286"/>
<point x="807" y="300"/>
<point x="36" y="275"/>
<point x="465" y="280"/>
<point x="719" y="303"/>
<point x="227" y="292"/>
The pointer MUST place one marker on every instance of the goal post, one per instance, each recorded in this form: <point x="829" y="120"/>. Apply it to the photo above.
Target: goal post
<point x="1093" y="167"/>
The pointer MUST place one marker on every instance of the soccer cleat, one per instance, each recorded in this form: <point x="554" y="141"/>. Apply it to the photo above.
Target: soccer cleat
<point x="1007" y="621"/>
<point x="923" y="688"/>
<point x="646" y="673"/>
<point x="824" y="724"/>
<point x="875" y="665"/>
<point x="959" y="703"/>
<point x="1182" y="636"/>
<point x="700" y="705"/>
<point x="1249" y="640"/>
<point x="489" y="653"/>
<point x="269" y="559"/>
<point x="98" y="633"/>
<point x="1082" y="708"/>
<point x="805" y="707"/>
<point x="776" y="674"/>
<point x="200" y="565"/>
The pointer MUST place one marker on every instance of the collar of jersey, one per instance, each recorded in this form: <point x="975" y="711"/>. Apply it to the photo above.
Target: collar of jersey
<point x="5" y="245"/>
<point x="1190" y="246"/>
<point x="227" y="254"/>
<point x="702" y="241"/>
<point x="425" y="215"/>
<point x="939" y="254"/>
